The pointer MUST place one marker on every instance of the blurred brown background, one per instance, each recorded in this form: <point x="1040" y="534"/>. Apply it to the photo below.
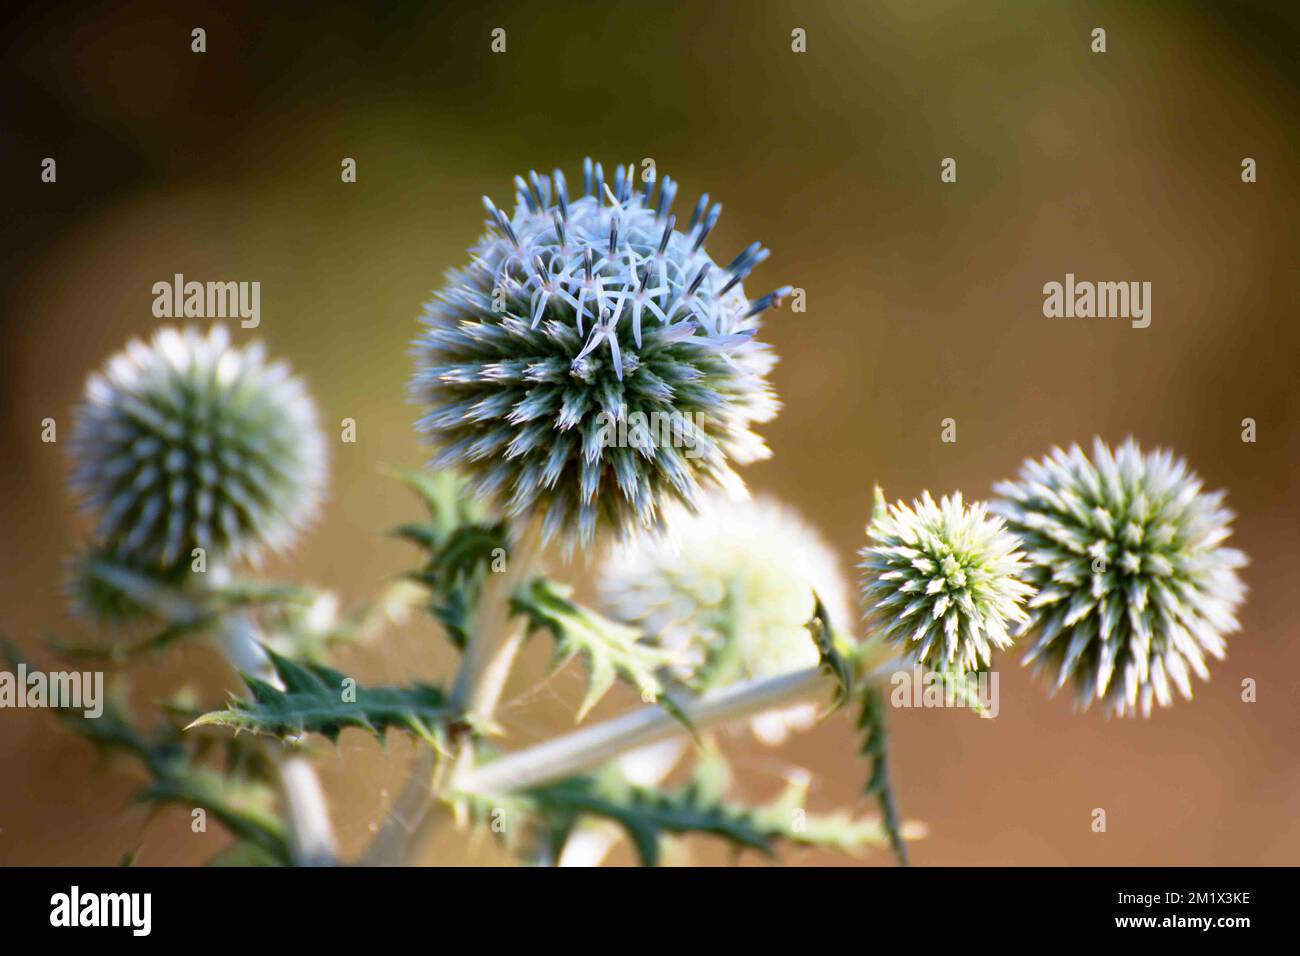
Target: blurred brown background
<point x="924" y="302"/>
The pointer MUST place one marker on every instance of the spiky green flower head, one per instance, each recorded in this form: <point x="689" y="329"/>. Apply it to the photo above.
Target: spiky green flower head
<point x="942" y="581"/>
<point x="730" y="592"/>
<point x="1135" y="585"/>
<point x="190" y="442"/>
<point x="577" y="317"/>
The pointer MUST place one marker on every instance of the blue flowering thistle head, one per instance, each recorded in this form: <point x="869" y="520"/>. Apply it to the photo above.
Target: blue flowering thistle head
<point x="189" y="442"/>
<point x="941" y="580"/>
<point x="580" y="312"/>
<point x="1135" y="587"/>
<point x="729" y="592"/>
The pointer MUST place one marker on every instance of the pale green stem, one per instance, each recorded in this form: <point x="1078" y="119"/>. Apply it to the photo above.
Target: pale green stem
<point x="476" y="691"/>
<point x="592" y="840"/>
<point x="311" y="836"/>
<point x="595" y="745"/>
<point x="394" y="844"/>
<point x="490" y="653"/>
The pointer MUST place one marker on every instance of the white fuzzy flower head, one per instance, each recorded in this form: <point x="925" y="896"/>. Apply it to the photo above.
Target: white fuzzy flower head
<point x="942" y="581"/>
<point x="580" y="312"/>
<point x="1135" y="586"/>
<point x="730" y="592"/>
<point x="189" y="442"/>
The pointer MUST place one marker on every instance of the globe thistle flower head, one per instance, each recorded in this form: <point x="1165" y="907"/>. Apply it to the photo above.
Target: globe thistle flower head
<point x="189" y="442"/>
<point x="730" y="592"/>
<point x="941" y="579"/>
<point x="576" y="315"/>
<point x="1135" y="587"/>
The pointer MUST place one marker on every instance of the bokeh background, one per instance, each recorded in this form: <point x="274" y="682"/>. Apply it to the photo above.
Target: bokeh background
<point x="924" y="303"/>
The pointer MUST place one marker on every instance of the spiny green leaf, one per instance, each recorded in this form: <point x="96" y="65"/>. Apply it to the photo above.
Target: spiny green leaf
<point x="239" y="794"/>
<point x="118" y="591"/>
<point x="470" y="550"/>
<point x="317" y="699"/>
<point x="645" y="814"/>
<point x="455" y="616"/>
<point x="450" y="505"/>
<point x="446" y="497"/>
<point x="460" y="544"/>
<point x="786" y="817"/>
<point x="700" y="806"/>
<point x="113" y="590"/>
<point x="834" y="658"/>
<point x="244" y="853"/>
<point x="243" y="807"/>
<point x="875" y="747"/>
<point x="609" y="649"/>
<point x="421" y="535"/>
<point x="170" y="634"/>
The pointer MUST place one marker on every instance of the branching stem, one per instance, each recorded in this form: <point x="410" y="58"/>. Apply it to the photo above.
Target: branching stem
<point x="595" y="745"/>
<point x="476" y="691"/>
<point x="310" y="833"/>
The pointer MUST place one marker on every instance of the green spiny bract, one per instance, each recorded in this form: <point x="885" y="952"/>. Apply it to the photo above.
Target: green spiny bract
<point x="942" y="581"/>
<point x="576" y="314"/>
<point x="729" y="593"/>
<point x="1135" y="587"/>
<point x="188" y="442"/>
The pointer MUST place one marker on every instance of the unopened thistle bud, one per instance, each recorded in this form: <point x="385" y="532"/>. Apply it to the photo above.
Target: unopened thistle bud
<point x="189" y="442"/>
<point x="941" y="580"/>
<point x="1135" y="587"/>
